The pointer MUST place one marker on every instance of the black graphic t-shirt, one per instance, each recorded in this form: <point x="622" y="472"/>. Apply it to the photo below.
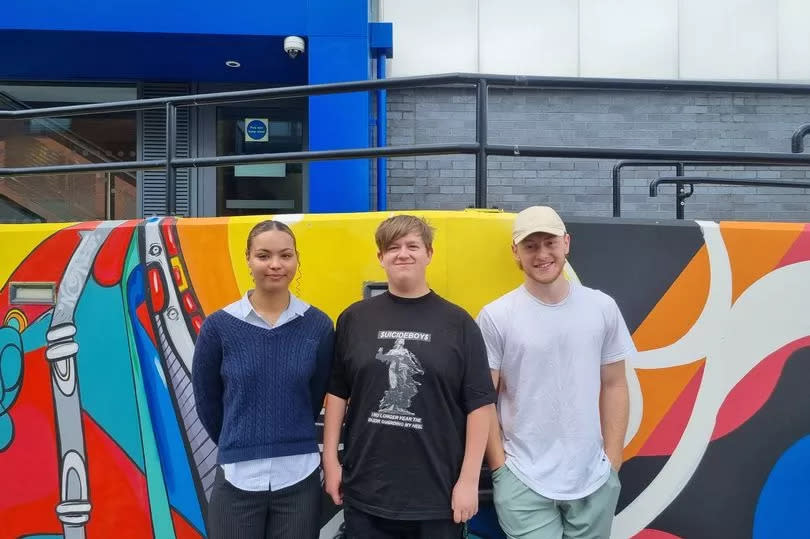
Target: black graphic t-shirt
<point x="412" y="369"/>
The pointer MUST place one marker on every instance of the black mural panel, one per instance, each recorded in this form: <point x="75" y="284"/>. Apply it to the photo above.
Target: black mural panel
<point x="720" y="500"/>
<point x="635" y="475"/>
<point x="625" y="259"/>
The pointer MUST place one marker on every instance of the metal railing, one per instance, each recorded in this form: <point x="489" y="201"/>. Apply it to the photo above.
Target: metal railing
<point x="480" y="148"/>
<point x="681" y="182"/>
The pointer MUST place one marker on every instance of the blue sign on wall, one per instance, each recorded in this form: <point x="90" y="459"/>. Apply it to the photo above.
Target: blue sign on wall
<point x="256" y="129"/>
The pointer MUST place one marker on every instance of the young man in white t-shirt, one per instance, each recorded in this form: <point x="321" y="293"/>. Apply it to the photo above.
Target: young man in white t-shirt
<point x="556" y="352"/>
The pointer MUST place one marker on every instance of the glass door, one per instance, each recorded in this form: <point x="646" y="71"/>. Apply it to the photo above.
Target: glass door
<point x="259" y="188"/>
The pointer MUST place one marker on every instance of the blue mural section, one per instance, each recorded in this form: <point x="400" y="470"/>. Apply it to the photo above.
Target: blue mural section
<point x="785" y="491"/>
<point x="171" y="446"/>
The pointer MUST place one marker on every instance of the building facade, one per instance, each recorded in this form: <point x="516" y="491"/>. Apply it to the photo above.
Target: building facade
<point x="55" y="54"/>
<point x="715" y="40"/>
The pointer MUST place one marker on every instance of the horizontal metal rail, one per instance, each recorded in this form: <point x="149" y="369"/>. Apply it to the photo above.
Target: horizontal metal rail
<point x="739" y="182"/>
<point x="681" y="195"/>
<point x="618" y="167"/>
<point x="480" y="148"/>
<point x="698" y="156"/>
<point x="470" y="79"/>
<point x="231" y="160"/>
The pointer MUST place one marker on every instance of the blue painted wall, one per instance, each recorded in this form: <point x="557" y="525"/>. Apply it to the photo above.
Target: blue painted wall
<point x="190" y="40"/>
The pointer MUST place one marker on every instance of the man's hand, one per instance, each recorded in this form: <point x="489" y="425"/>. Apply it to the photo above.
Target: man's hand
<point x="333" y="481"/>
<point x="465" y="500"/>
<point x="615" y="461"/>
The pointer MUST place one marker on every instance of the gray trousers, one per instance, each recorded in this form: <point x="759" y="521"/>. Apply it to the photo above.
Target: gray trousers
<point x="293" y="512"/>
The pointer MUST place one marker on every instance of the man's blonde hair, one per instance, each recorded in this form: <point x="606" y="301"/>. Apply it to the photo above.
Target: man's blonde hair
<point x="398" y="226"/>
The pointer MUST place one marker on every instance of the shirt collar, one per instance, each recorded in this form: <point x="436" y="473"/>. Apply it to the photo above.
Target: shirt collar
<point x="297" y="307"/>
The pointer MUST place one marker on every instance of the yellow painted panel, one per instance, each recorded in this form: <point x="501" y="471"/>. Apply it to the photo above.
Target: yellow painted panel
<point x="18" y="241"/>
<point x="338" y="255"/>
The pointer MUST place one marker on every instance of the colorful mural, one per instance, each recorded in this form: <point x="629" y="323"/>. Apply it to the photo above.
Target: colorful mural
<point x="98" y="430"/>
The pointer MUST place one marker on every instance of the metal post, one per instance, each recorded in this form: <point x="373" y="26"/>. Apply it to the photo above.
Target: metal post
<point x="382" y="126"/>
<point x="171" y="173"/>
<point x="680" y="200"/>
<point x="107" y="196"/>
<point x="481" y="106"/>
<point x="617" y="190"/>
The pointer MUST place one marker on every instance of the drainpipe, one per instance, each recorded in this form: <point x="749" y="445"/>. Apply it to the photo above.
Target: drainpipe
<point x="381" y="40"/>
<point x="382" y="126"/>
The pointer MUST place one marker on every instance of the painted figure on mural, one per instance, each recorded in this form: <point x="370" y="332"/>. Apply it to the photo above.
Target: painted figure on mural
<point x="11" y="372"/>
<point x="260" y="372"/>
<point x="421" y="443"/>
<point x="557" y="353"/>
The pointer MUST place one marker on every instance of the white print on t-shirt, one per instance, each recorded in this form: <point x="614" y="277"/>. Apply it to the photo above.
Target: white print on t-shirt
<point x="403" y="366"/>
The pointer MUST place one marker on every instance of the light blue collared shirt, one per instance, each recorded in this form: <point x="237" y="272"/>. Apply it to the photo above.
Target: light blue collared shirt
<point x="277" y="472"/>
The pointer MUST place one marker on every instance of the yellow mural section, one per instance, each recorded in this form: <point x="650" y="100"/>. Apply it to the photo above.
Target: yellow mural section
<point x="338" y="256"/>
<point x="20" y="240"/>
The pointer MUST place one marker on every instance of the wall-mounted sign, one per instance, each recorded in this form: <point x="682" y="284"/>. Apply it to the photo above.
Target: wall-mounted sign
<point x="256" y="129"/>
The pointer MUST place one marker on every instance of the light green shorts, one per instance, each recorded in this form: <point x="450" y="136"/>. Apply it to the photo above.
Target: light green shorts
<point x="524" y="514"/>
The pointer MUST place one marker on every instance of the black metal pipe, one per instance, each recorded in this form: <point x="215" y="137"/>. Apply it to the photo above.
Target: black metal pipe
<point x="87" y="167"/>
<point x="725" y="181"/>
<point x="797" y="140"/>
<point x="328" y="155"/>
<point x="510" y="81"/>
<point x="481" y="107"/>
<point x="617" y="170"/>
<point x="230" y="160"/>
<point x="697" y="156"/>
<point x="171" y="172"/>
<point x="582" y="83"/>
<point x="238" y="96"/>
<point x="680" y="200"/>
<point x="655" y="156"/>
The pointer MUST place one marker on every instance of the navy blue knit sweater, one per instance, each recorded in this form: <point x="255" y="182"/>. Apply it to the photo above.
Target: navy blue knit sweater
<point x="259" y="390"/>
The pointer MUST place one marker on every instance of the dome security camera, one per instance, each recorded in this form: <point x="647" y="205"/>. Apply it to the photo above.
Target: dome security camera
<point x="293" y="46"/>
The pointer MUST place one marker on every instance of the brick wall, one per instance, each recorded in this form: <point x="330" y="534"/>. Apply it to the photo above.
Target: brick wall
<point x="605" y="118"/>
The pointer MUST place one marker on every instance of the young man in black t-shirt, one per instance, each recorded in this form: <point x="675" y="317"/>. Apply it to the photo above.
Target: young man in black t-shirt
<point x="414" y="369"/>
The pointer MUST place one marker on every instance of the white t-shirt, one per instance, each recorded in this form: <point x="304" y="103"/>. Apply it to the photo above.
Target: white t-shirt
<point x="550" y="359"/>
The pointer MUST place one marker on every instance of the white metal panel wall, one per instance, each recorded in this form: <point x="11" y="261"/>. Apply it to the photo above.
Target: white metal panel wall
<point x="629" y="38"/>
<point x="432" y="36"/>
<point x="794" y="39"/>
<point x="728" y="39"/>
<point x="688" y="39"/>
<point x="539" y="37"/>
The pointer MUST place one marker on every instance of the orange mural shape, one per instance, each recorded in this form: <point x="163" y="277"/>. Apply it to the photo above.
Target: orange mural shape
<point x="680" y="307"/>
<point x="755" y="249"/>
<point x="205" y="250"/>
<point x="660" y="389"/>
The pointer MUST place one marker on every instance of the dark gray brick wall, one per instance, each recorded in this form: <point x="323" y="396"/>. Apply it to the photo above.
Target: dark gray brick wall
<point x="677" y="120"/>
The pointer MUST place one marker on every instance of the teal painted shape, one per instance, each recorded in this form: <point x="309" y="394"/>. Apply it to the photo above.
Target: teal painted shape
<point x="105" y="369"/>
<point x="6" y="430"/>
<point x="34" y="335"/>
<point x="11" y="358"/>
<point x="156" y="486"/>
<point x="11" y="370"/>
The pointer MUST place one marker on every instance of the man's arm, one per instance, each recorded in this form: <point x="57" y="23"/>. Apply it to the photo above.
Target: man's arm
<point x="494" y="452"/>
<point x="614" y="409"/>
<point x="332" y="422"/>
<point x="465" y="492"/>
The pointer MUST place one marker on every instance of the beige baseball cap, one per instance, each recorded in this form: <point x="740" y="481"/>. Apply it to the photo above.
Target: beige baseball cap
<point x="536" y="219"/>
